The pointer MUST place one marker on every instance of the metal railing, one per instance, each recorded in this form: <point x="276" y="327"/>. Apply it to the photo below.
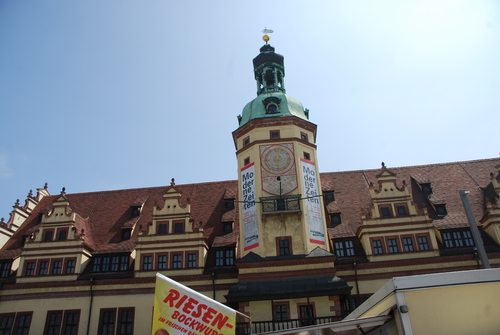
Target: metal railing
<point x="258" y="327"/>
<point x="280" y="203"/>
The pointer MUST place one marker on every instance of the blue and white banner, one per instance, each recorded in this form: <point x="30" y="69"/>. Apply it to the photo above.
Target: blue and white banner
<point x="249" y="208"/>
<point x="313" y="203"/>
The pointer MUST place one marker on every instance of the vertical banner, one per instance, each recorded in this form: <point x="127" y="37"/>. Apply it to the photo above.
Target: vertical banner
<point x="179" y="310"/>
<point x="313" y="205"/>
<point x="249" y="212"/>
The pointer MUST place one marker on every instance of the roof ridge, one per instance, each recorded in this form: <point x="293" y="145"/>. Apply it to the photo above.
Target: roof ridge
<point x="421" y="165"/>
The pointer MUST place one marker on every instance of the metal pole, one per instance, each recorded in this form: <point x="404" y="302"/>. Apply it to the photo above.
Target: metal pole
<point x="474" y="230"/>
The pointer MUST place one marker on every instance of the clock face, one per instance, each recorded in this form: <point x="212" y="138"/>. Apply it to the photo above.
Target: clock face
<point x="277" y="159"/>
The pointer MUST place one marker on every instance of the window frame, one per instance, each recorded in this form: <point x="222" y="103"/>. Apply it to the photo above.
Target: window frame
<point x="274" y="132"/>
<point x="389" y="207"/>
<point x="412" y="244"/>
<point x="160" y="225"/>
<point x="49" y="328"/>
<point x="176" y="224"/>
<point x="246" y="141"/>
<point x="27" y="268"/>
<point x="53" y="266"/>
<point x="17" y="322"/>
<point x="192" y="264"/>
<point x="66" y="324"/>
<point x="102" y="315"/>
<point x="281" y="303"/>
<point x="47" y="233"/>
<point x="404" y="206"/>
<point x="158" y="261"/>
<point x="176" y="260"/>
<point x="120" y="322"/>
<point x="66" y="266"/>
<point x="381" y="246"/>
<point x="10" y="323"/>
<point x="5" y="268"/>
<point x="427" y="242"/>
<point x="147" y="266"/>
<point x="304" y="136"/>
<point x="397" y="246"/>
<point x="226" y="259"/>
<point x="307" y="156"/>
<point x="280" y="248"/>
<point x="45" y="261"/>
<point x="345" y="249"/>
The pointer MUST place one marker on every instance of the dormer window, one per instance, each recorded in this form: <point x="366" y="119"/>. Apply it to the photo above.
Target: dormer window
<point x="136" y="211"/>
<point x="441" y="210"/>
<point x="229" y="204"/>
<point x="126" y="234"/>
<point x="329" y="196"/>
<point x="401" y="210"/>
<point x="63" y="235"/>
<point x="227" y="227"/>
<point x="271" y="108"/>
<point x="335" y="219"/>
<point x="426" y="188"/>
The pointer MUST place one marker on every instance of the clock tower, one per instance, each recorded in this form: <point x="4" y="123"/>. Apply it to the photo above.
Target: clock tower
<point x="281" y="208"/>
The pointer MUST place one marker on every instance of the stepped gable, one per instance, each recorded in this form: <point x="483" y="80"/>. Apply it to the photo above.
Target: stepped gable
<point x="101" y="215"/>
<point x="352" y="194"/>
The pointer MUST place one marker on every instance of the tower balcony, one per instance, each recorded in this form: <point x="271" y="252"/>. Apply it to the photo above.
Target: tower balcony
<point x="280" y="204"/>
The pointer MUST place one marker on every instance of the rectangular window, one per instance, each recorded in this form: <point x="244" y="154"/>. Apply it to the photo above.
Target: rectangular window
<point x="125" y="321"/>
<point x="458" y="239"/>
<point x="56" y="267"/>
<point x="22" y="323"/>
<point x="107" y="321"/>
<point x="229" y="203"/>
<point x="178" y="227"/>
<point x="110" y="263"/>
<point x="284" y="245"/>
<point x="422" y="243"/>
<point x="224" y="257"/>
<point x="163" y="229"/>
<point x="192" y="262"/>
<point x="162" y="262"/>
<point x="70" y="266"/>
<point x="6" y="323"/>
<point x="335" y="219"/>
<point x="30" y="269"/>
<point x="401" y="210"/>
<point x="303" y="136"/>
<point x="408" y="244"/>
<point x="344" y="248"/>
<point x="62" y="235"/>
<point x="48" y="235"/>
<point x="70" y="324"/>
<point x="115" y="263"/>
<point x="147" y="263"/>
<point x="246" y="141"/>
<point x="44" y="268"/>
<point x="392" y="243"/>
<point x="177" y="261"/>
<point x="377" y="247"/>
<point x="385" y="212"/>
<point x="246" y="161"/>
<point x="274" y="134"/>
<point x="227" y="227"/>
<point x="53" y="322"/>
<point x="5" y="269"/>
<point x="281" y="311"/>
<point x="307" y="156"/>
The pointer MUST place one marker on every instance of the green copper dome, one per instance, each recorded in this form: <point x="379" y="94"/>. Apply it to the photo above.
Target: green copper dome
<point x="273" y="104"/>
<point x="271" y="99"/>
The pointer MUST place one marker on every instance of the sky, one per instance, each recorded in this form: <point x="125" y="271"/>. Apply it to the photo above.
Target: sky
<point x="118" y="94"/>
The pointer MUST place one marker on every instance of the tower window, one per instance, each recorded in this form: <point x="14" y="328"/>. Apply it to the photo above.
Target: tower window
<point x="246" y="141"/>
<point x="284" y="245"/>
<point x="274" y="134"/>
<point x="271" y="108"/>
<point x="304" y="137"/>
<point x="246" y="161"/>
<point x="307" y="156"/>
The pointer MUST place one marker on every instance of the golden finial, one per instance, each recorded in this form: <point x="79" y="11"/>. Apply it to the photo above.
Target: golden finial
<point x="266" y="37"/>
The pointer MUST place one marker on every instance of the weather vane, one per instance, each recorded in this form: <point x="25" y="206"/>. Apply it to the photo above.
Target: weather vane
<point x="266" y="37"/>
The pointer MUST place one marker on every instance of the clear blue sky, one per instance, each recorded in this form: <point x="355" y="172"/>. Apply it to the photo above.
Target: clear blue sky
<point x="101" y="95"/>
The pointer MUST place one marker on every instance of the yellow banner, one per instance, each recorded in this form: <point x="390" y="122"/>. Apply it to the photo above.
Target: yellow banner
<point x="179" y="310"/>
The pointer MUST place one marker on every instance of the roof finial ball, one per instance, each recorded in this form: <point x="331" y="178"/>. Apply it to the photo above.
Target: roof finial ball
<point x="266" y="37"/>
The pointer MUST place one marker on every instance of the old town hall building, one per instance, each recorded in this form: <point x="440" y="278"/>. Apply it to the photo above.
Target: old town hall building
<point x="285" y="244"/>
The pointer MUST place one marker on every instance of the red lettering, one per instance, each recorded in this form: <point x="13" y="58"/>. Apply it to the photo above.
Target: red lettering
<point x="175" y="315"/>
<point x="187" y="321"/>
<point x="182" y="317"/>
<point x="199" y="310"/>
<point x="180" y="302"/>
<point x="171" y="297"/>
<point x="208" y="315"/>
<point x="220" y="320"/>
<point x="189" y="305"/>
